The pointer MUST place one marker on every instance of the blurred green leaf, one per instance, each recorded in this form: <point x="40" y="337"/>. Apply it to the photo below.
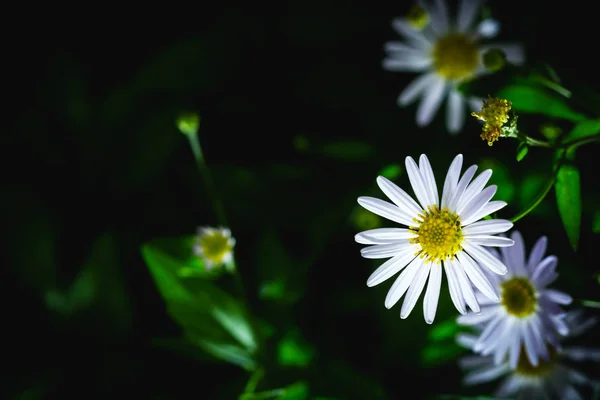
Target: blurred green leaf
<point x="295" y="391"/>
<point x="590" y="303"/>
<point x="209" y="316"/>
<point x="550" y="131"/>
<point x="501" y="177"/>
<point x="434" y="354"/>
<point x="273" y="290"/>
<point x="348" y="150"/>
<point x="531" y="99"/>
<point x="568" y="200"/>
<point x="444" y="330"/>
<point x="582" y="129"/>
<point x="392" y="171"/>
<point x="596" y="222"/>
<point x="294" y="351"/>
<point x="522" y="150"/>
<point x="530" y="187"/>
<point x="98" y="287"/>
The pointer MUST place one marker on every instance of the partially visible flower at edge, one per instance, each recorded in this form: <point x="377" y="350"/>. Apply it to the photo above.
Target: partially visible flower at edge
<point x="441" y="233"/>
<point x="215" y="247"/>
<point x="556" y="378"/>
<point x="529" y="316"/>
<point x="447" y="54"/>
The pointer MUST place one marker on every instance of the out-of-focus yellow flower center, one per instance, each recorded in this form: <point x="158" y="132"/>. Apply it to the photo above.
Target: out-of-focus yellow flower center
<point x="215" y="246"/>
<point x="455" y="56"/>
<point x="417" y="17"/>
<point x="494" y="112"/>
<point x="525" y="368"/>
<point x="518" y="297"/>
<point x="439" y="234"/>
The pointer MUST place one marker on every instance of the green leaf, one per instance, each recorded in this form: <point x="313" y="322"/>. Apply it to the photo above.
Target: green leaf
<point x="294" y="351"/>
<point x="596" y="222"/>
<point x="229" y="352"/>
<point x="295" y="391"/>
<point x="348" y="150"/>
<point x="501" y="177"/>
<point x="444" y="330"/>
<point x="582" y="129"/>
<point x="568" y="200"/>
<point x="434" y="354"/>
<point x="392" y="171"/>
<point x="522" y="150"/>
<point x="210" y="315"/>
<point x="530" y="99"/>
<point x="590" y="303"/>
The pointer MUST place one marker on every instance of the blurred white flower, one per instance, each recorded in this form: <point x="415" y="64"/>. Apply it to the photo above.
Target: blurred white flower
<point x="215" y="247"/>
<point x="555" y="378"/>
<point x="446" y="53"/>
<point x="529" y="315"/>
<point x="441" y="234"/>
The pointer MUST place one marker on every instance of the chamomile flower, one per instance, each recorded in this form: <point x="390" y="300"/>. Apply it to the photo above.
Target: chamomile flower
<point x="555" y="378"/>
<point x="440" y="234"/>
<point x="215" y="247"/>
<point x="529" y="315"/>
<point x="446" y="53"/>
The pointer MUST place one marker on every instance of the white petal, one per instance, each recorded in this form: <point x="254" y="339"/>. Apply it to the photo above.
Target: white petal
<point x="400" y="47"/>
<point x="465" y="286"/>
<point x="455" y="111"/>
<point x="515" y="255"/>
<point x="515" y="54"/>
<point x="509" y="387"/>
<point x="461" y="186"/>
<point x="391" y="266"/>
<point x="451" y="180"/>
<point x="430" y="103"/>
<point x="402" y="282"/>
<point x="582" y="353"/>
<point x="558" y="297"/>
<point x="488" y="28"/>
<point x="544" y="272"/>
<point x="407" y="62"/>
<point x="477" y="204"/>
<point x="429" y="179"/>
<point x="471" y="318"/>
<point x="537" y="253"/>
<point x="454" y="289"/>
<point x="485" y="259"/>
<point x="385" y="210"/>
<point x="414" y="291"/>
<point x="473" y="190"/>
<point x="438" y="13"/>
<point x="489" y="208"/>
<point x="468" y="341"/>
<point x="481" y="282"/>
<point x="417" y="182"/>
<point x="485" y="374"/>
<point x="467" y="11"/>
<point x="487" y="240"/>
<point x="489" y="227"/>
<point x="569" y="393"/>
<point x="475" y="103"/>
<point x="416" y="88"/>
<point x="383" y="235"/>
<point x="403" y="28"/>
<point x="515" y="347"/>
<point x="377" y="251"/>
<point x="488" y="331"/>
<point x="399" y="197"/>
<point x="432" y="294"/>
<point x="530" y="345"/>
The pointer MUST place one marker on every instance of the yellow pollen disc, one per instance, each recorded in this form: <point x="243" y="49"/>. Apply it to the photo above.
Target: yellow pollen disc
<point x="215" y="247"/>
<point x="455" y="56"/>
<point x="439" y="234"/>
<point x="518" y="297"/>
<point x="525" y="368"/>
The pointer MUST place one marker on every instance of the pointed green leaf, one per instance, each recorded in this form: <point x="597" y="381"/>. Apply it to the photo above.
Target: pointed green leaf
<point x="226" y="351"/>
<point x="582" y="129"/>
<point x="522" y="150"/>
<point x="444" y="330"/>
<point x="190" y="298"/>
<point x="568" y="200"/>
<point x="293" y="350"/>
<point x="392" y="171"/>
<point x="295" y="391"/>
<point x="531" y="99"/>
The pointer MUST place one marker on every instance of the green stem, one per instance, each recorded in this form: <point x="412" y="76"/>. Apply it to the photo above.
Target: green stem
<point x="207" y="178"/>
<point x="538" y="143"/>
<point x="573" y="144"/>
<point x="253" y="381"/>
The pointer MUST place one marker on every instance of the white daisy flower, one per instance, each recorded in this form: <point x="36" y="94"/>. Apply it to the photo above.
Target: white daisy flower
<point x="215" y="247"/>
<point x="441" y="234"/>
<point x="529" y="314"/>
<point x="555" y="378"/>
<point x="446" y="53"/>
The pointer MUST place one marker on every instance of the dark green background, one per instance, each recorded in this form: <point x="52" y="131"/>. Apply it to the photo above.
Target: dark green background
<point x="91" y="148"/>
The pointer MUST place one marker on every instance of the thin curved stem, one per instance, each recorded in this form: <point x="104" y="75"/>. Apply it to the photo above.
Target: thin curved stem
<point x="537" y="201"/>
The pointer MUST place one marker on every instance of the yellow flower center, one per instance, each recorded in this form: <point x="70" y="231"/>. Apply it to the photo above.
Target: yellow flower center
<point x="215" y="246"/>
<point x="518" y="297"/>
<point x="455" y="56"/>
<point x="525" y="368"/>
<point x="494" y="112"/>
<point x="417" y="17"/>
<point x="438" y="233"/>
